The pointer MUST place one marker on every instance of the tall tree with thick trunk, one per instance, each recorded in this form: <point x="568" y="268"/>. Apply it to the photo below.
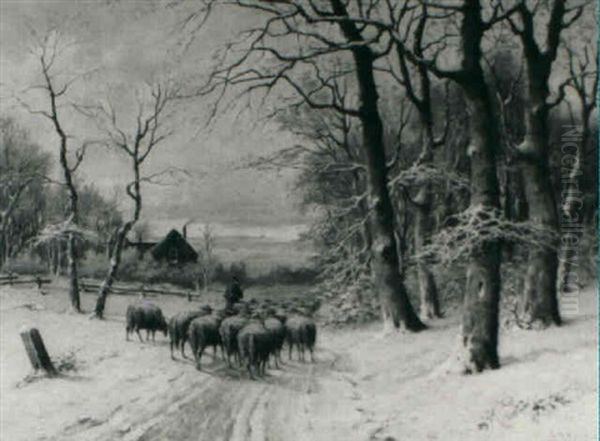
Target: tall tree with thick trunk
<point x="419" y="95"/>
<point x="482" y="293"/>
<point x="296" y="20"/>
<point x="387" y="280"/>
<point x="539" y="303"/>
<point x="479" y="328"/>
<point x="149" y="131"/>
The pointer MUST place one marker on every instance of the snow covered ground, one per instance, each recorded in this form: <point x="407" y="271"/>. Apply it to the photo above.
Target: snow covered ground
<point x="364" y="386"/>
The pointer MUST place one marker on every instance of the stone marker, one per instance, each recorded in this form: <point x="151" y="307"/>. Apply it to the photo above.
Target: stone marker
<point x="36" y="350"/>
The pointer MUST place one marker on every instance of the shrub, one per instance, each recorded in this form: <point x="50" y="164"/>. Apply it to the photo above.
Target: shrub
<point x="237" y="269"/>
<point x="26" y="264"/>
<point x="94" y="266"/>
<point x="286" y="275"/>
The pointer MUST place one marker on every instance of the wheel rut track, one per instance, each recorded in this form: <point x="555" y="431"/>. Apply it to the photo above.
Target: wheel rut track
<point x="276" y="407"/>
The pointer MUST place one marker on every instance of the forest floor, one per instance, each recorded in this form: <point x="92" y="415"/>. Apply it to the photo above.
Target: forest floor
<point x="363" y="385"/>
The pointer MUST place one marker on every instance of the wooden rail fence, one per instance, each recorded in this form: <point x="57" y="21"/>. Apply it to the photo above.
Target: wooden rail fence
<point x="94" y="286"/>
<point x="91" y="286"/>
<point x="12" y="279"/>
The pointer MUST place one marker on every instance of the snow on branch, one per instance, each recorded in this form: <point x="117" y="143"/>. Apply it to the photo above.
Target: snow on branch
<point x="419" y="174"/>
<point x="62" y="230"/>
<point x="479" y="225"/>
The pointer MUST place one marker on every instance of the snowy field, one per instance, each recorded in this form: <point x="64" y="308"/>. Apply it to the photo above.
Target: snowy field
<point x="363" y="386"/>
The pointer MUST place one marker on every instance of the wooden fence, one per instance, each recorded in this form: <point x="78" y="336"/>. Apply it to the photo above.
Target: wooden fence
<point x="93" y="286"/>
<point x="13" y="279"/>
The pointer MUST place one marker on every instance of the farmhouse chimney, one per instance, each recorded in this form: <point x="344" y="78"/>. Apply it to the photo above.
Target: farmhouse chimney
<point x="184" y="231"/>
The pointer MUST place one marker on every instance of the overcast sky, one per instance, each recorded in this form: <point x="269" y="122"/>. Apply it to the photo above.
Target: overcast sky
<point x="130" y="42"/>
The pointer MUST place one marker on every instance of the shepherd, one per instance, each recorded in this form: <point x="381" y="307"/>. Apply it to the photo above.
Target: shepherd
<point x="233" y="293"/>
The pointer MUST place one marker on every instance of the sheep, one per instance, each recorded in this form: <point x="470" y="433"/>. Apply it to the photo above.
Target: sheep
<point x="204" y="332"/>
<point x="277" y="330"/>
<point x="301" y="332"/>
<point x="179" y="325"/>
<point x="281" y="315"/>
<point x="144" y="315"/>
<point x="229" y="329"/>
<point x="255" y="345"/>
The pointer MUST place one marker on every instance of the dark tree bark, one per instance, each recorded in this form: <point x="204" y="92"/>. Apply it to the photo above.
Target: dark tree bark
<point x="480" y="313"/>
<point x="482" y="292"/>
<point x="396" y="308"/>
<point x="539" y="303"/>
<point x="423" y="202"/>
<point x="428" y="292"/>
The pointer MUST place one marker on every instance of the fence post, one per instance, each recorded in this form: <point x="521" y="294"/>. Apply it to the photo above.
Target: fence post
<point x="36" y="351"/>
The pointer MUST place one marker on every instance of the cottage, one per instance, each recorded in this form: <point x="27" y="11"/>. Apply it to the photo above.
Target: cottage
<point x="174" y="249"/>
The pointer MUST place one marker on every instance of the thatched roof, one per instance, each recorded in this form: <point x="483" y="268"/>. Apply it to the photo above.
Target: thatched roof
<point x="174" y="248"/>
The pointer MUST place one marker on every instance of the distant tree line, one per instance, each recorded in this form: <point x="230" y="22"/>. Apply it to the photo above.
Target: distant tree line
<point x="31" y="199"/>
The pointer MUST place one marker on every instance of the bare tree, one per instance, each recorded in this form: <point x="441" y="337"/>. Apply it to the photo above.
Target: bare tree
<point x="208" y="259"/>
<point x="332" y="179"/>
<point x="150" y="130"/>
<point x="482" y="293"/>
<point x="294" y="22"/>
<point x="540" y="303"/>
<point x="418" y="86"/>
<point x="46" y="51"/>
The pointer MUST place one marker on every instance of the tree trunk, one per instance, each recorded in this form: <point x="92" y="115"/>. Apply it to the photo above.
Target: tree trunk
<point x="482" y="294"/>
<point x="363" y="208"/>
<point x="205" y="275"/>
<point x="57" y="258"/>
<point x="396" y="308"/>
<point x="134" y="192"/>
<point x="67" y="171"/>
<point x="3" y="250"/>
<point x="3" y="242"/>
<point x="74" y="212"/>
<point x="539" y="302"/>
<point x="115" y="261"/>
<point x="73" y="282"/>
<point x="428" y="293"/>
<point x="514" y="204"/>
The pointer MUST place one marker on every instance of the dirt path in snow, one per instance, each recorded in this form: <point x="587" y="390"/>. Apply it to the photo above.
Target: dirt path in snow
<point x="300" y="401"/>
<point x="133" y="391"/>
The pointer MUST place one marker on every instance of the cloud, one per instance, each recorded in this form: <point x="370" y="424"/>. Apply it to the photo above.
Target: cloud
<point x="132" y="42"/>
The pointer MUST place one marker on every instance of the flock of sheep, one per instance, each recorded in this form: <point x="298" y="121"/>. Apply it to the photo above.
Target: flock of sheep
<point x="250" y="333"/>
